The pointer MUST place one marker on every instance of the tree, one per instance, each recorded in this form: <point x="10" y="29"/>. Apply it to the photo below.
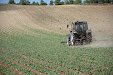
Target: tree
<point x="112" y="1"/>
<point x="86" y="1"/>
<point x="78" y="1"/>
<point x="22" y="2"/>
<point x="95" y="1"/>
<point x="51" y="2"/>
<point x="62" y="3"/>
<point x="11" y="2"/>
<point x="71" y="1"/>
<point x="108" y="1"/>
<point x="27" y="2"/>
<point x="35" y="3"/>
<point x="57" y="2"/>
<point x="43" y="3"/>
<point x="90" y="1"/>
<point x="102" y="1"/>
<point x="66" y="1"/>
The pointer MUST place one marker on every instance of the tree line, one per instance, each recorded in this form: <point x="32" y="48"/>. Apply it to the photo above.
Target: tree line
<point x="59" y="2"/>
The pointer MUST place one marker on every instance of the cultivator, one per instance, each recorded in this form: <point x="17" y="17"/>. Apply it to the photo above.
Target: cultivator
<point x="80" y="35"/>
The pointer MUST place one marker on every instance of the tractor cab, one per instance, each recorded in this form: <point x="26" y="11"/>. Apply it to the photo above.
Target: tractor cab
<point x="79" y="34"/>
<point x="80" y="27"/>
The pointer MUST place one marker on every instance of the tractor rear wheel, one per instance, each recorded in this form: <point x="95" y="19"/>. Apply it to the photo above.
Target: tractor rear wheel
<point x="69" y="39"/>
<point x="84" y="42"/>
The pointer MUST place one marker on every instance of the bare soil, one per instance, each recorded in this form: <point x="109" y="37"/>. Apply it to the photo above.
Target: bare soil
<point x="19" y="19"/>
<point x="2" y="73"/>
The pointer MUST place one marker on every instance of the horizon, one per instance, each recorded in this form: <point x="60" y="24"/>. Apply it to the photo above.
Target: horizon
<point x="31" y="1"/>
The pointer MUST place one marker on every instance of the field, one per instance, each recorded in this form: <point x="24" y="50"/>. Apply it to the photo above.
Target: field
<point x="30" y="39"/>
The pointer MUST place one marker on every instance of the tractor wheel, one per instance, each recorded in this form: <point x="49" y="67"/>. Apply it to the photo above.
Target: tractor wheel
<point x="89" y="41"/>
<point x="84" y="42"/>
<point x="72" y="40"/>
<point x="69" y="39"/>
<point x="81" y="42"/>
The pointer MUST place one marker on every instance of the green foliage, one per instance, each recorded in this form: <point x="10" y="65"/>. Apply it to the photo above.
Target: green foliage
<point x="43" y="3"/>
<point x="95" y="1"/>
<point x="35" y="3"/>
<point x="41" y="63"/>
<point x="50" y="50"/>
<point x="27" y="2"/>
<point x="86" y="1"/>
<point x="71" y="1"/>
<point x="31" y="65"/>
<point x="15" y="66"/>
<point x="5" y="71"/>
<point x="112" y="1"/>
<point x="98" y="1"/>
<point x="51" y="2"/>
<point x="108" y="1"/>
<point x="58" y="2"/>
<point x="62" y="3"/>
<point x="22" y="2"/>
<point x="11" y="2"/>
<point x="78" y="1"/>
<point x="67" y="2"/>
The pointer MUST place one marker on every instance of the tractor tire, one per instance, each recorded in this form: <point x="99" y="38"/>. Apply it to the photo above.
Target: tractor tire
<point x="84" y="42"/>
<point x="69" y="39"/>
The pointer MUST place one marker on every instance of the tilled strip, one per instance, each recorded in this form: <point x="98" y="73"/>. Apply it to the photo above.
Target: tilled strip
<point x="82" y="73"/>
<point x="2" y="73"/>
<point x="21" y="65"/>
<point x="15" y="71"/>
<point x="23" y="59"/>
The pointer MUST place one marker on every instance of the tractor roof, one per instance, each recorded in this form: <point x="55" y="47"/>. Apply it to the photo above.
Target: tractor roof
<point x="80" y="22"/>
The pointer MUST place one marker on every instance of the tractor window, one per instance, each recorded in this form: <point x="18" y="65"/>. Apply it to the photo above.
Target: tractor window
<point x="81" y="26"/>
<point x="78" y="26"/>
<point x="85" y="27"/>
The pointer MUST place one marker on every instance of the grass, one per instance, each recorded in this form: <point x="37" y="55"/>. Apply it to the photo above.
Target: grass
<point x="47" y="47"/>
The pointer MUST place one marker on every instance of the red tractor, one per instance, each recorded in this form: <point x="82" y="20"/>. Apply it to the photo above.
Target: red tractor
<point x="79" y="34"/>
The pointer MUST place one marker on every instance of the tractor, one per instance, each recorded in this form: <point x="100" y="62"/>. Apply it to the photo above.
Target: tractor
<point x="79" y="34"/>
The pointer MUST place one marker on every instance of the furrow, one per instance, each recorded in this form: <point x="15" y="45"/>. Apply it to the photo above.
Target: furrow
<point x="15" y="71"/>
<point x="82" y="73"/>
<point x="21" y="65"/>
<point x="23" y="59"/>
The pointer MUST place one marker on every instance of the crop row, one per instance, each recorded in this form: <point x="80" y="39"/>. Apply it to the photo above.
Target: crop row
<point x="31" y="65"/>
<point x="51" y="66"/>
<point x="5" y="71"/>
<point x="50" y="50"/>
<point x="16" y="66"/>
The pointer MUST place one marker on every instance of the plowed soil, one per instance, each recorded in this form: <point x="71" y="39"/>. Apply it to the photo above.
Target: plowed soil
<point x="16" y="18"/>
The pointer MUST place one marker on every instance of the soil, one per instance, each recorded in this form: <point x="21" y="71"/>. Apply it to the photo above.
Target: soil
<point x="55" y="19"/>
<point x="2" y="73"/>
